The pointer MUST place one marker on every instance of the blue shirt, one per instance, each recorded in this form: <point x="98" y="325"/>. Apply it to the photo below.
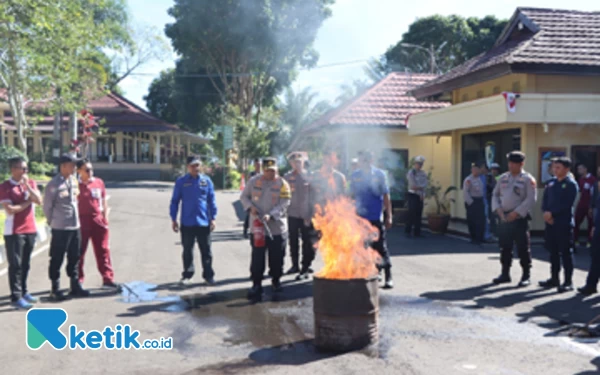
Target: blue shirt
<point x="197" y="197"/>
<point x="368" y="190"/>
<point x="559" y="197"/>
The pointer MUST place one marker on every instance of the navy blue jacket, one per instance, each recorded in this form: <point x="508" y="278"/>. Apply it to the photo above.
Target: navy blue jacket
<point x="559" y="197"/>
<point x="197" y="197"/>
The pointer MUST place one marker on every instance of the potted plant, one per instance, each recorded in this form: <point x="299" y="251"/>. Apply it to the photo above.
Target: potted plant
<point x="439" y="217"/>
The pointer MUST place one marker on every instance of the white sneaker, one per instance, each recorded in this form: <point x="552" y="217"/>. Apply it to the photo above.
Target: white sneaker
<point x="185" y="282"/>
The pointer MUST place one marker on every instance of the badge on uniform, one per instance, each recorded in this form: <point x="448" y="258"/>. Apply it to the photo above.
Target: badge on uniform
<point x="203" y="183"/>
<point x="63" y="194"/>
<point x="564" y="186"/>
<point x="96" y="193"/>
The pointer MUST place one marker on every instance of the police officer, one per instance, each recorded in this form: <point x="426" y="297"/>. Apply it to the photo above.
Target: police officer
<point x="196" y="193"/>
<point x="370" y="189"/>
<point x="327" y="183"/>
<point x="61" y="209"/>
<point x="256" y="171"/>
<point x="473" y="196"/>
<point x="417" y="184"/>
<point x="557" y="205"/>
<point x="299" y="215"/>
<point x="267" y="196"/>
<point x="591" y="284"/>
<point x="512" y="200"/>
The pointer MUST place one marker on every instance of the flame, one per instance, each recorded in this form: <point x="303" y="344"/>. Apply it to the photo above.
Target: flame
<point x="343" y="242"/>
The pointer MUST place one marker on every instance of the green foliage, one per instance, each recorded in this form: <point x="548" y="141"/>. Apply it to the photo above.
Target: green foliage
<point x="233" y="178"/>
<point x="39" y="168"/>
<point x="250" y="48"/>
<point x="6" y="153"/>
<point x="434" y="190"/>
<point x="453" y="40"/>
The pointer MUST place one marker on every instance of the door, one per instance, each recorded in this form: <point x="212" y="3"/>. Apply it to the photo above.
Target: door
<point x="587" y="155"/>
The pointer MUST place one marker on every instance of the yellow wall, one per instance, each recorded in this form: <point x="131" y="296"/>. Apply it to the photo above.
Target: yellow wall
<point x="510" y="82"/>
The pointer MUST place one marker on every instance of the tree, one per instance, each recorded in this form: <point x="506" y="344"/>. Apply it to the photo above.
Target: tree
<point x="250" y="48"/>
<point x="439" y="43"/>
<point x="351" y="91"/>
<point x="47" y="54"/>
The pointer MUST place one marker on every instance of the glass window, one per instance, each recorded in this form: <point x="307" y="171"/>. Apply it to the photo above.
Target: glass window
<point x="395" y="163"/>
<point x="489" y="147"/>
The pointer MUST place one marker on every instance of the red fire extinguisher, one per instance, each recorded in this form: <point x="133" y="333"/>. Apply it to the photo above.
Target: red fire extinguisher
<point x="258" y="233"/>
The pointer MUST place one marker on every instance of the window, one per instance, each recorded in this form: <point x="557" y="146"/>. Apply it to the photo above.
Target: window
<point x="490" y="147"/>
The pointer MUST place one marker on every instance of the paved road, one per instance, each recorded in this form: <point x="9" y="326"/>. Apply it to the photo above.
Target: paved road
<point x="443" y="317"/>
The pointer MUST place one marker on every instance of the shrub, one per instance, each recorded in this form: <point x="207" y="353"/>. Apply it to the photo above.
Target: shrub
<point x="39" y="168"/>
<point x="8" y="152"/>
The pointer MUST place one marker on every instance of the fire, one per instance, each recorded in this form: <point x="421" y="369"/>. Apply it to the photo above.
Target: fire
<point x="342" y="245"/>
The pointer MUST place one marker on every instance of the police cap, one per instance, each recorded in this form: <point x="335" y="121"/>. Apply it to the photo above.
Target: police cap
<point x="296" y="155"/>
<point x="420" y="159"/>
<point x="515" y="156"/>
<point x="269" y="163"/>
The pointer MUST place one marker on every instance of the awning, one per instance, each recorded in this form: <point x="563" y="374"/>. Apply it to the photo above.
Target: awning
<point x="528" y="108"/>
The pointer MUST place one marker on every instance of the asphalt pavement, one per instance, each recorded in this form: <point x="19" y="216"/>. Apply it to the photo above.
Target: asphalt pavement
<point x="443" y="317"/>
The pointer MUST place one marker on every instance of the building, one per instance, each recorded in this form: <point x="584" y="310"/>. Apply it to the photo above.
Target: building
<point x="376" y="120"/>
<point x="133" y="144"/>
<point x="537" y="90"/>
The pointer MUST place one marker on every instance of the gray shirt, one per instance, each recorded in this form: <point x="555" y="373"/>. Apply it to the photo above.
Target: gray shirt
<point x="417" y="182"/>
<point x="472" y="188"/>
<point x="299" y="185"/>
<point x="60" y="203"/>
<point x="269" y="198"/>
<point x="515" y="193"/>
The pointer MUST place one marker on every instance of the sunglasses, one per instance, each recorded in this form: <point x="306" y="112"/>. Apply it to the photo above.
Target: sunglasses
<point x="88" y="170"/>
<point x="25" y="169"/>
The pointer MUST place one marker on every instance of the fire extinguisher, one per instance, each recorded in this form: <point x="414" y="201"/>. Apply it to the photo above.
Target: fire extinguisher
<point x="258" y="233"/>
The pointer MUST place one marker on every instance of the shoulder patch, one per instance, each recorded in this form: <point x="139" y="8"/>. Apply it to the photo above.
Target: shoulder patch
<point x="285" y="192"/>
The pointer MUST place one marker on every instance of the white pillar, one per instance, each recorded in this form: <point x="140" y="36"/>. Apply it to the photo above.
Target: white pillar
<point x="135" y="147"/>
<point x="172" y="153"/>
<point x="119" y="146"/>
<point x="157" y="150"/>
<point x="94" y="149"/>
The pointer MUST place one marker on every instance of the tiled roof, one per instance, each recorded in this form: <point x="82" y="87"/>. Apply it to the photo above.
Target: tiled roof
<point x="550" y="36"/>
<point x="386" y="104"/>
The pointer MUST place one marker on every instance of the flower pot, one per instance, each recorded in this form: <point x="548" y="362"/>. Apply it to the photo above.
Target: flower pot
<point x="400" y="216"/>
<point x="438" y="223"/>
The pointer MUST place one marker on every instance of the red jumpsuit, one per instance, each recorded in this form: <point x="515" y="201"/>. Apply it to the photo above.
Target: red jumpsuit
<point x="95" y="227"/>
<point x="587" y="184"/>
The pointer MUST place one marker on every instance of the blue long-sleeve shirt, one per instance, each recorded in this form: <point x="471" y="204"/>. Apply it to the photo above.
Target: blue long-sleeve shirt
<point x="197" y="197"/>
<point x="559" y="197"/>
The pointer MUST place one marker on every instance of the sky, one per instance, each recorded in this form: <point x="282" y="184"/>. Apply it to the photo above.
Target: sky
<point x="357" y="31"/>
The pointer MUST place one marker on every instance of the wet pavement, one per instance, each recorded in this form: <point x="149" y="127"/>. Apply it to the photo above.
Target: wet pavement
<point x="443" y="317"/>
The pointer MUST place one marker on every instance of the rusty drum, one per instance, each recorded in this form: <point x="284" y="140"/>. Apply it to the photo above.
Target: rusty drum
<point x="346" y="314"/>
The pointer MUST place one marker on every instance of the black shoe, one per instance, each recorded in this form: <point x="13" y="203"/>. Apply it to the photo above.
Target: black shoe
<point x="389" y="283"/>
<point x="550" y="283"/>
<point x="293" y="270"/>
<point x="304" y="275"/>
<point x="525" y="281"/>
<point x="78" y="291"/>
<point x="502" y="279"/>
<point x="587" y="291"/>
<point x="57" y="296"/>
<point x="310" y="270"/>
<point x="210" y="281"/>
<point x="255" y="294"/>
<point x="277" y="288"/>
<point x="565" y="288"/>
<point x="245" y="234"/>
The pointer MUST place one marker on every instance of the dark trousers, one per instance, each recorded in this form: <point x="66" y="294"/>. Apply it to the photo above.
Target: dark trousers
<point x="381" y="245"/>
<point x="558" y="242"/>
<point x="509" y="234"/>
<point x="189" y="236"/>
<point x="64" y="241"/>
<point x="594" y="274"/>
<point x="247" y="222"/>
<point x="415" y="214"/>
<point x="276" y="249"/>
<point x="299" y="230"/>
<point x="18" y="252"/>
<point x="476" y="219"/>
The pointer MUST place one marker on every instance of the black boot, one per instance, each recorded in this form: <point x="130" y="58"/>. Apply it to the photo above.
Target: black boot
<point x="255" y="293"/>
<point x="525" y="279"/>
<point x="276" y="286"/>
<point x="77" y="290"/>
<point x="587" y="291"/>
<point x="550" y="283"/>
<point x="504" y="276"/>
<point x="55" y="294"/>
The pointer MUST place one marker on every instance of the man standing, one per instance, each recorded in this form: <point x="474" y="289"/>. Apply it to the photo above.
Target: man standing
<point x="369" y="187"/>
<point x="513" y="198"/>
<point x="61" y="210"/>
<point x="267" y="196"/>
<point x="196" y="193"/>
<point x="256" y="171"/>
<point x="591" y="284"/>
<point x="495" y="172"/>
<point x="417" y="184"/>
<point x="299" y="216"/>
<point x="18" y="196"/>
<point x="328" y="183"/>
<point x="473" y="196"/>
<point x="557" y="205"/>
<point x="93" y="210"/>
<point x="584" y="207"/>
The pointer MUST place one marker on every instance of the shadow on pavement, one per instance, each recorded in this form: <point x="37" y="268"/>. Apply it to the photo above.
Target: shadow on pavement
<point x="595" y="362"/>
<point x="228" y="235"/>
<point x="467" y="294"/>
<point x="574" y="310"/>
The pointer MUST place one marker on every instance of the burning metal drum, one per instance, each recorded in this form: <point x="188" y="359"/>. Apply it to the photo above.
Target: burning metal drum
<point x="346" y="314"/>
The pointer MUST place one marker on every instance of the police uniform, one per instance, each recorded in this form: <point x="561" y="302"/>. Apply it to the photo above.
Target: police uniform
<point x="473" y="196"/>
<point x="60" y="206"/>
<point x="559" y="197"/>
<point x="298" y="217"/>
<point x="369" y="189"/>
<point x="268" y="197"/>
<point x="198" y="210"/>
<point x="417" y="183"/>
<point x="515" y="193"/>
<point x="325" y="187"/>
<point x="591" y="285"/>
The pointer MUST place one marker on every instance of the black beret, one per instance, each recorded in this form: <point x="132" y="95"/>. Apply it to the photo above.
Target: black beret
<point x="516" y="156"/>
